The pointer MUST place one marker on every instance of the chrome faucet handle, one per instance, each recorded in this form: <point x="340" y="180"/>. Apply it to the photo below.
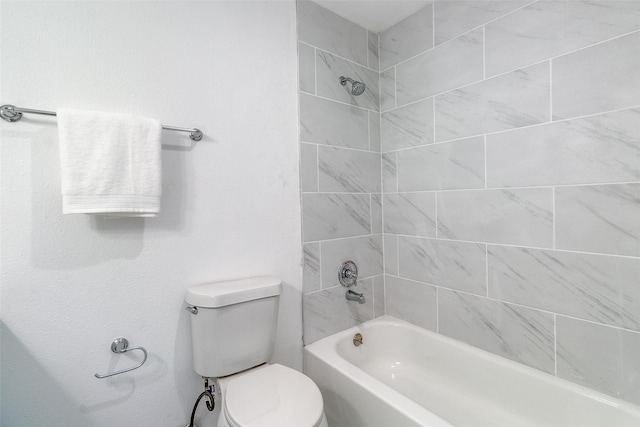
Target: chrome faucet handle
<point x="348" y="273"/>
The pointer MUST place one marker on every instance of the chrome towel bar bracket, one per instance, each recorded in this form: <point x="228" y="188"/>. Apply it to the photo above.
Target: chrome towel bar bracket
<point x="118" y="346"/>
<point x="11" y="113"/>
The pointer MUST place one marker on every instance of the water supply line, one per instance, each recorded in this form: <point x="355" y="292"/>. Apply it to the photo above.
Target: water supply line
<point x="211" y="404"/>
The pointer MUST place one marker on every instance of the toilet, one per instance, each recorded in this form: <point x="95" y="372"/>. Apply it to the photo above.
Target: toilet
<point x="233" y="326"/>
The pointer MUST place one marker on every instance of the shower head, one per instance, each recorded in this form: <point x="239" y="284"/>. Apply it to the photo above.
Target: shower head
<point x="357" y="88"/>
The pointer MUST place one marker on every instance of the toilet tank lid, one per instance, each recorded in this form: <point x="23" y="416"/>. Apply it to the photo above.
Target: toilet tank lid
<point x="221" y="294"/>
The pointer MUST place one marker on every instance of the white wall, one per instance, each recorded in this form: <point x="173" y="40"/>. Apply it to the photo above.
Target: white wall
<point x="230" y="208"/>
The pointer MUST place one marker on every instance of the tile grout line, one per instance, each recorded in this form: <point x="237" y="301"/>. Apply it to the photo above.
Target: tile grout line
<point x="369" y="129"/>
<point x="436" y="208"/>
<point x="339" y="102"/>
<point x="384" y="289"/>
<point x="397" y="174"/>
<point x="511" y="245"/>
<point x="555" y="344"/>
<point x="338" y="286"/>
<point x="337" y="55"/>
<point x="433" y="107"/>
<point x="395" y="87"/>
<point x="339" y="147"/>
<point x="541" y="310"/>
<point x="433" y="24"/>
<point x="498" y="18"/>
<point x="397" y="254"/>
<point x="553" y="214"/>
<point x="367" y="48"/>
<point x="459" y="35"/>
<point x="545" y="123"/>
<point x="317" y="169"/>
<point x="370" y="214"/>
<point x="519" y="68"/>
<point x="523" y="187"/>
<point x="437" y="310"/>
<point x="486" y="177"/>
<point x="320" y="265"/>
<point x="315" y="71"/>
<point x="486" y="267"/>
<point x="484" y="54"/>
<point x="551" y="91"/>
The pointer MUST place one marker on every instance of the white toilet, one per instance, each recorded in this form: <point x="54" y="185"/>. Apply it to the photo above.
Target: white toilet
<point x="233" y="326"/>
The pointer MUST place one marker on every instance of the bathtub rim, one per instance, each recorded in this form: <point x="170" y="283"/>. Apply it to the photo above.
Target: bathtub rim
<point x="326" y="350"/>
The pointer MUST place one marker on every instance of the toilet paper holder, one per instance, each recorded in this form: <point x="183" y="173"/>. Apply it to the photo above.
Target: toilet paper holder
<point x="119" y="346"/>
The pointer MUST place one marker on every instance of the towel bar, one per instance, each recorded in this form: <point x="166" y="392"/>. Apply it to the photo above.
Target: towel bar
<point x="11" y="113"/>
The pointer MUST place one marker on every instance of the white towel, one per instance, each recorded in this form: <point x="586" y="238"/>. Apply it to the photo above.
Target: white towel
<point x="110" y="163"/>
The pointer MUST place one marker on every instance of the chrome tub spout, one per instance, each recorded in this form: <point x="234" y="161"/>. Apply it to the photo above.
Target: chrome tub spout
<point x="354" y="296"/>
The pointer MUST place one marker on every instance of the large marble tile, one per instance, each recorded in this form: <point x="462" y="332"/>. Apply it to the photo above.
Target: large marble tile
<point x="455" y="265"/>
<point x="365" y="251"/>
<point x="447" y="166"/>
<point x="390" y="254"/>
<point x="307" y="68"/>
<point x="599" y="357"/>
<point x="453" y="18"/>
<point x="389" y="173"/>
<point x="517" y="333"/>
<point x="410" y="213"/>
<point x="378" y="296"/>
<point x="332" y="216"/>
<point x="448" y="66"/>
<point x="604" y="289"/>
<point x="599" y="218"/>
<point x="411" y="301"/>
<point x="309" y="167"/>
<point x="407" y="38"/>
<point x="546" y="29"/>
<point x="343" y="170"/>
<point x="331" y="123"/>
<point x="329" y="68"/>
<point x="407" y="126"/>
<point x="328" y="31"/>
<point x="373" y="60"/>
<point x="597" y="79"/>
<point x="374" y="132"/>
<point x="596" y="149"/>
<point x="517" y="217"/>
<point x="513" y="100"/>
<point x="388" y="89"/>
<point x="328" y="311"/>
<point x="311" y="268"/>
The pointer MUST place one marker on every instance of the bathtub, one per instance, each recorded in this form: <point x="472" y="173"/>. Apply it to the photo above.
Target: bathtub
<point x="404" y="376"/>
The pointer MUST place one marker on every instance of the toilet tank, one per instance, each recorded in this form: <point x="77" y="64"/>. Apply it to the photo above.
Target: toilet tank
<point x="235" y="325"/>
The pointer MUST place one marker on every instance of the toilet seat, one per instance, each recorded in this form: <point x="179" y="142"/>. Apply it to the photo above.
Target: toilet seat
<point x="272" y="396"/>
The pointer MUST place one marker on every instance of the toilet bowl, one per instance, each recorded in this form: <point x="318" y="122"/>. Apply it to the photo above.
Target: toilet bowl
<point x="270" y="396"/>
<point x="233" y="326"/>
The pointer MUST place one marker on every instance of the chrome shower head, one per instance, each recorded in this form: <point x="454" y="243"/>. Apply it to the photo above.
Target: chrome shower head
<point x="357" y="88"/>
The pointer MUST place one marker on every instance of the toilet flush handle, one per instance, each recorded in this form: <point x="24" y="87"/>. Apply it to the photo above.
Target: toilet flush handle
<point x="192" y="310"/>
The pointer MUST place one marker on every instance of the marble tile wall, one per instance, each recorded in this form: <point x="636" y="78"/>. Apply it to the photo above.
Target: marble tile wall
<point x="510" y="139"/>
<point x="340" y="170"/>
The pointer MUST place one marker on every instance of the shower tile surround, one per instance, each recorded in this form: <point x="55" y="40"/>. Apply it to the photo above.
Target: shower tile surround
<point x="510" y="176"/>
<point x="340" y="170"/>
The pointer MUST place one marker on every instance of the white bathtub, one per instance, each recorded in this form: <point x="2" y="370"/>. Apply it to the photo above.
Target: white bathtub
<point x="406" y="376"/>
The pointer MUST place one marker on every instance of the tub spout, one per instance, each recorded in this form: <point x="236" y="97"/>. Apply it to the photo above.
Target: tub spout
<point x="354" y="296"/>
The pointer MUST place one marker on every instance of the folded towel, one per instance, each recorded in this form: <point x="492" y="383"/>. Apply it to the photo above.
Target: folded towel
<point x="110" y="163"/>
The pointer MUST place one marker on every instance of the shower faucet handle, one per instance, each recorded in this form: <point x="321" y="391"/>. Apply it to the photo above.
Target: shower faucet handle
<point x="348" y="273"/>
